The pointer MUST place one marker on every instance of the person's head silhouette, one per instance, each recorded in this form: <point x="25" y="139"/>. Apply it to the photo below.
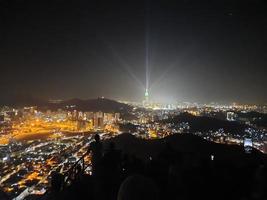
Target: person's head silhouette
<point x="138" y="187"/>
<point x="97" y="138"/>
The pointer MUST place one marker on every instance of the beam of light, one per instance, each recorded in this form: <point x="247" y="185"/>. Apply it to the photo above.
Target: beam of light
<point x="147" y="64"/>
<point x="169" y="68"/>
<point x="125" y="66"/>
<point x="147" y="42"/>
<point x="163" y="75"/>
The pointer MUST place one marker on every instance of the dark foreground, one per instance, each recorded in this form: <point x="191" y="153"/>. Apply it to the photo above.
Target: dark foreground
<point x="178" y="167"/>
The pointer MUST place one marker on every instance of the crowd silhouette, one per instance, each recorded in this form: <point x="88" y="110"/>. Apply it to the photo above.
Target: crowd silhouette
<point x="170" y="175"/>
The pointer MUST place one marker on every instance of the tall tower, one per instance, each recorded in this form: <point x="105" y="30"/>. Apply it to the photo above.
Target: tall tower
<point x="145" y="102"/>
<point x="146" y="95"/>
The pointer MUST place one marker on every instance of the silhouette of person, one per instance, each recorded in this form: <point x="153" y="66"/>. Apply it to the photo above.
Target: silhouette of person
<point x="78" y="172"/>
<point x="96" y="149"/>
<point x="112" y="157"/>
<point x="111" y="172"/>
<point x="57" y="180"/>
<point x="138" y="187"/>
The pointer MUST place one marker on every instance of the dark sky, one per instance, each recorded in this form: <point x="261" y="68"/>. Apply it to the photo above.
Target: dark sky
<point x="202" y="51"/>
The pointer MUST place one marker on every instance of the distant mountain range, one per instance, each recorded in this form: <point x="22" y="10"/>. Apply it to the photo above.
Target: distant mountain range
<point x="259" y="119"/>
<point x="204" y="124"/>
<point x="99" y="104"/>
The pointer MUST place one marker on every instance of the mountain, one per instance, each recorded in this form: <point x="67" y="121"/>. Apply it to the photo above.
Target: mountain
<point x="256" y="118"/>
<point x="204" y="124"/>
<point x="184" y="143"/>
<point x="93" y="105"/>
<point x="99" y="104"/>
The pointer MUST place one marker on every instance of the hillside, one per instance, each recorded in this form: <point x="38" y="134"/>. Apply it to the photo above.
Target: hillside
<point x="184" y="143"/>
<point x="99" y="104"/>
<point x="203" y="124"/>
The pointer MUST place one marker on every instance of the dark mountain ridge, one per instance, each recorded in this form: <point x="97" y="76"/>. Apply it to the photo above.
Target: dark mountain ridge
<point x="99" y="104"/>
<point x="94" y="105"/>
<point x="204" y="124"/>
<point x="184" y="143"/>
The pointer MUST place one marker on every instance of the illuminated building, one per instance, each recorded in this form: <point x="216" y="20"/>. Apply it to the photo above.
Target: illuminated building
<point x="152" y="133"/>
<point x="89" y="115"/>
<point x="31" y="109"/>
<point x="80" y="115"/>
<point x="11" y="114"/>
<point x="146" y="95"/>
<point x="146" y="100"/>
<point x="117" y="117"/>
<point x="248" y="144"/>
<point x="143" y="120"/>
<point x="108" y="118"/>
<point x="230" y="116"/>
<point x="81" y="125"/>
<point x="74" y="115"/>
<point x="98" y="121"/>
<point x="69" y="115"/>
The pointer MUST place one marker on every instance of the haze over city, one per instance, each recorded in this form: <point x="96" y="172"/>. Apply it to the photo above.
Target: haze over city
<point x="208" y="51"/>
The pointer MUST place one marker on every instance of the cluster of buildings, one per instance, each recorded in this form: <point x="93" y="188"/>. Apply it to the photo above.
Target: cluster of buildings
<point x="8" y="114"/>
<point x="28" y="165"/>
<point x="27" y="120"/>
<point x="153" y="123"/>
<point x="96" y="120"/>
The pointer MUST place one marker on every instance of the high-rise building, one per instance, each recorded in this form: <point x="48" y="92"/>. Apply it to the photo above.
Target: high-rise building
<point x="89" y="115"/>
<point x="117" y="117"/>
<point x="146" y="100"/>
<point x="69" y="115"/>
<point x="146" y="95"/>
<point x="75" y="115"/>
<point x="81" y="125"/>
<point x="98" y="121"/>
<point x="108" y="118"/>
<point x="80" y="115"/>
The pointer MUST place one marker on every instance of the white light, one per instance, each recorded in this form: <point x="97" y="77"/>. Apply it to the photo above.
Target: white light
<point x="212" y="157"/>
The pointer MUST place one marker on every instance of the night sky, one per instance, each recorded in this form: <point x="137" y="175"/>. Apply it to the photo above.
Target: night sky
<point x="204" y="51"/>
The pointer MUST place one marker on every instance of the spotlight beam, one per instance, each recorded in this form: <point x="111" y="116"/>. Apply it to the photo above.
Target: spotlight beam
<point x="125" y="66"/>
<point x="147" y="43"/>
<point x="170" y="67"/>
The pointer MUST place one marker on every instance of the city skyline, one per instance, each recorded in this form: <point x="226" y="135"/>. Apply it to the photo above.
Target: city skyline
<point x="38" y="141"/>
<point x="123" y="99"/>
<point x="180" y="51"/>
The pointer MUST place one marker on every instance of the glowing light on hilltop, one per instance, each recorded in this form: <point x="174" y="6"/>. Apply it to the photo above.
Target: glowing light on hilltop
<point x="146" y="93"/>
